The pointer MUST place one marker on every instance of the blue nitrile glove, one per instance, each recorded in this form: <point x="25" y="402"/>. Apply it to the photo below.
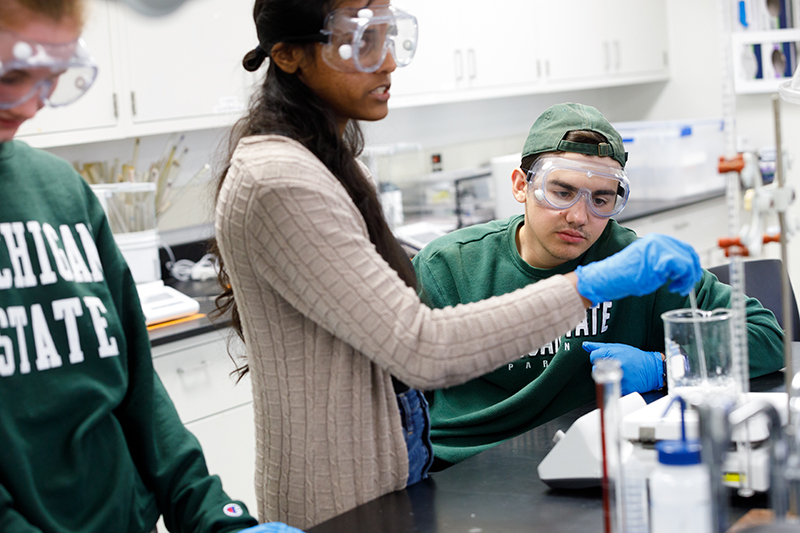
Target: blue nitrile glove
<point x="641" y="371"/>
<point x="641" y="268"/>
<point x="271" y="527"/>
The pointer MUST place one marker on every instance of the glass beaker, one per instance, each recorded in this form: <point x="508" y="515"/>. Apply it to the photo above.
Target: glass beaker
<point x="698" y="349"/>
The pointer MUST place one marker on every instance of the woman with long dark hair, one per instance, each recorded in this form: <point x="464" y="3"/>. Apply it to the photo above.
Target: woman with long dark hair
<point x="338" y="343"/>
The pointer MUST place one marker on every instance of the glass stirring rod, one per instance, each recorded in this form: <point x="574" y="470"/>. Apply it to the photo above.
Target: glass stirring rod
<point x="701" y="355"/>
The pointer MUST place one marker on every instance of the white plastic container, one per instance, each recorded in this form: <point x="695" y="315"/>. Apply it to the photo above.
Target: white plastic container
<point x="680" y="490"/>
<point x="673" y="159"/>
<point x="131" y="212"/>
<point x="140" y="250"/>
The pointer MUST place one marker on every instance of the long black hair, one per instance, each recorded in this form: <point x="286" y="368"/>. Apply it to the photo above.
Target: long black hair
<point x="284" y="105"/>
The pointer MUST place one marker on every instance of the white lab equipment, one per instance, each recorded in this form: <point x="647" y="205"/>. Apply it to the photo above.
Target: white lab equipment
<point x="680" y="489"/>
<point x="746" y="454"/>
<point x="672" y="159"/>
<point x="161" y="303"/>
<point x="575" y="460"/>
<point x="504" y="203"/>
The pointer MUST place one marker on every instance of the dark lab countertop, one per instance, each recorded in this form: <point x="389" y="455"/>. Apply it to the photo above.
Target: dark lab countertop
<point x="499" y="491"/>
<point x="635" y="209"/>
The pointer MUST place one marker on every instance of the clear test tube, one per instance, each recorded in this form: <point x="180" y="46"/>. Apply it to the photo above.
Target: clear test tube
<point x="607" y="374"/>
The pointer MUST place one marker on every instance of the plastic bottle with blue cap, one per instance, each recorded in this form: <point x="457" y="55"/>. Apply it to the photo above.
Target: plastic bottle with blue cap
<point x="680" y="487"/>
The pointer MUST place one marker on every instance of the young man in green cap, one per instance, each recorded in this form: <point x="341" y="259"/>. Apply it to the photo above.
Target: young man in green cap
<point x="572" y="181"/>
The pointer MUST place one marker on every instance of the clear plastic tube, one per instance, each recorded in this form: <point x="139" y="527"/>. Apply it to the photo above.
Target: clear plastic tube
<point x="607" y="374"/>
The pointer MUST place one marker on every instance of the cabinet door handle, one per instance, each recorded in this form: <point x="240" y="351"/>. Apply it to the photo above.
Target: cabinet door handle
<point x="606" y="56"/>
<point x="472" y="66"/>
<point x="459" y="64"/>
<point x="201" y="365"/>
<point x="133" y="103"/>
<point x="617" y="55"/>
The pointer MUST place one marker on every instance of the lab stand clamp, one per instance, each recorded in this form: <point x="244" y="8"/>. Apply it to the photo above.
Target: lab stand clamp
<point x="760" y="200"/>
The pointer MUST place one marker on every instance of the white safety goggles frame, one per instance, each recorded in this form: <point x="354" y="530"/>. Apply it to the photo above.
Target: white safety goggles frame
<point x="549" y="178"/>
<point x="58" y="73"/>
<point x="358" y="39"/>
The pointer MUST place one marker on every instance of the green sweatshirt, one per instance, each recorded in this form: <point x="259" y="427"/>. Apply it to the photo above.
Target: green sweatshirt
<point x="90" y="440"/>
<point x="481" y="261"/>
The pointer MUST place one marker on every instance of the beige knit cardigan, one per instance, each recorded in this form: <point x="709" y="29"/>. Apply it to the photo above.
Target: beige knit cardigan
<point x="327" y="322"/>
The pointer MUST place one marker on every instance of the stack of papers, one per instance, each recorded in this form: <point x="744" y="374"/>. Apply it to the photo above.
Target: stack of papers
<point x="161" y="303"/>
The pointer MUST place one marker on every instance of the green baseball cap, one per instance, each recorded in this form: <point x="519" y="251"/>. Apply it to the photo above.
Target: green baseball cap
<point x="548" y="132"/>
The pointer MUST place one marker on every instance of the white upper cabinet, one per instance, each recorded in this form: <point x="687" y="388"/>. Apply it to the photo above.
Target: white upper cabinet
<point x="639" y="45"/>
<point x="433" y="70"/>
<point x="465" y="54"/>
<point x="604" y="43"/>
<point x="187" y="65"/>
<point x="96" y="109"/>
<point x="576" y="49"/>
<point x="178" y="72"/>
<point x="183" y="71"/>
<point x="532" y="46"/>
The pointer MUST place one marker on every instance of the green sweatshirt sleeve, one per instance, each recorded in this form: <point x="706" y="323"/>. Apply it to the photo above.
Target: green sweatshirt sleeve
<point x="167" y="456"/>
<point x="429" y="288"/>
<point x="10" y="518"/>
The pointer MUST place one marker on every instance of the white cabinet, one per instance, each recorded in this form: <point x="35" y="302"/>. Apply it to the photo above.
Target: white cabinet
<point x="187" y="65"/>
<point x="606" y="43"/>
<point x="178" y="72"/>
<point x="228" y="441"/>
<point x="539" y="46"/>
<point x="572" y="51"/>
<point x="183" y="71"/>
<point x="462" y="54"/>
<point x="700" y="225"/>
<point x="217" y="410"/>
<point x="638" y="40"/>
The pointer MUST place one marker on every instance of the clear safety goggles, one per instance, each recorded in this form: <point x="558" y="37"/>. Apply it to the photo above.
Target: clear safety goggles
<point x="58" y="74"/>
<point x="561" y="183"/>
<point x="357" y="39"/>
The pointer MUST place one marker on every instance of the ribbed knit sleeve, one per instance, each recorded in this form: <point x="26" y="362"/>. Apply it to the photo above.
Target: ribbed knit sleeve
<point x="326" y="322"/>
<point x="301" y="233"/>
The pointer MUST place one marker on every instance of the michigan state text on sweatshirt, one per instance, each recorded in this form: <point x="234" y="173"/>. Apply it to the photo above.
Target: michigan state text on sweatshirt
<point x="90" y="439"/>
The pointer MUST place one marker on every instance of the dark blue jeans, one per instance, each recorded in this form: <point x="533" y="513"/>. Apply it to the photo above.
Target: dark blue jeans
<point x="417" y="431"/>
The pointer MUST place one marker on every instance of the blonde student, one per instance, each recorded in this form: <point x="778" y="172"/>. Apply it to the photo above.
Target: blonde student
<point x="90" y="440"/>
